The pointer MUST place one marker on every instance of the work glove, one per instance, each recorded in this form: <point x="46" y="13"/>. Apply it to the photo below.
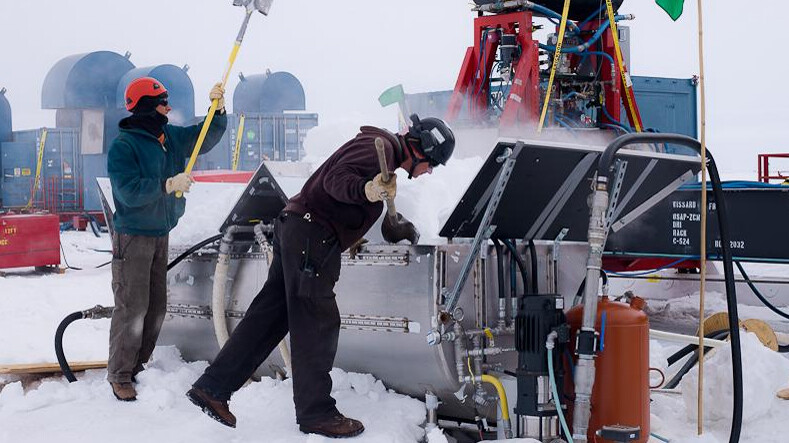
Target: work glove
<point x="356" y="247"/>
<point x="376" y="189"/>
<point x="218" y="93"/>
<point x="179" y="183"/>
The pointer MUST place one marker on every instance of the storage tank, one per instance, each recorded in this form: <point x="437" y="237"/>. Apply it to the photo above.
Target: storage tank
<point x="621" y="388"/>
<point x="179" y="89"/>
<point x="268" y="93"/>
<point x="84" y="81"/>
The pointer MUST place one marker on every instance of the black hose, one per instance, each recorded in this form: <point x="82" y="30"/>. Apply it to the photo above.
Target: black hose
<point x="533" y="256"/>
<point x="604" y="166"/>
<point x="759" y="294"/>
<point x="192" y="250"/>
<point x="580" y="292"/>
<point x="519" y="261"/>
<point x="64" y="366"/>
<point x="500" y="266"/>
<point x="677" y="356"/>
<point x="674" y="382"/>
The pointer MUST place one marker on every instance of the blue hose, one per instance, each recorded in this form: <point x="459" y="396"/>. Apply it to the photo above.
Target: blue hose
<point x="583" y="47"/>
<point x="556" y="398"/>
<point x="592" y="16"/>
<point x="614" y="121"/>
<point x="638" y="274"/>
<point x="551" y="13"/>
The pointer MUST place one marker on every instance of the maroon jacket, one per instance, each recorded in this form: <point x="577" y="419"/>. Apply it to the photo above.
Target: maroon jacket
<point x="334" y="194"/>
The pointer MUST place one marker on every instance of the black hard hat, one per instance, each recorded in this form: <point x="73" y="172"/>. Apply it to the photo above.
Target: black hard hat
<point x="436" y="140"/>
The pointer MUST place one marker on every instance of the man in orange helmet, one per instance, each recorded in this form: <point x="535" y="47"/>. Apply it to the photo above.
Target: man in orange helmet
<point x="146" y="168"/>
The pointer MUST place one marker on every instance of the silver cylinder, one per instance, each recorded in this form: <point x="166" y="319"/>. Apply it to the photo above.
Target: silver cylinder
<point x="585" y="370"/>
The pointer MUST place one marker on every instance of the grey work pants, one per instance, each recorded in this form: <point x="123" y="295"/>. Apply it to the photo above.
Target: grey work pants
<point x="139" y="283"/>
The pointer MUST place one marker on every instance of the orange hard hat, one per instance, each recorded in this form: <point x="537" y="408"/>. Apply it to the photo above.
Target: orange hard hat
<point x="143" y="87"/>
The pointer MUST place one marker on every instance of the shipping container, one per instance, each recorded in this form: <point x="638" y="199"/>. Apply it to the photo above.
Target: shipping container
<point x="19" y="168"/>
<point x="60" y="188"/>
<point x="278" y="137"/>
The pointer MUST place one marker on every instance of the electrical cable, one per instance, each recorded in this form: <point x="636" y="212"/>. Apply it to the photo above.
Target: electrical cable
<point x="519" y="261"/>
<point x="63" y="251"/>
<point x="533" y="259"/>
<point x="500" y="268"/>
<point x="677" y="356"/>
<point x="674" y="382"/>
<point x="193" y="249"/>
<point x="759" y="294"/>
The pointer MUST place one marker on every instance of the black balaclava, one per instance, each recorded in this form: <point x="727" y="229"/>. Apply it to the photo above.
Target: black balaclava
<point x="146" y="117"/>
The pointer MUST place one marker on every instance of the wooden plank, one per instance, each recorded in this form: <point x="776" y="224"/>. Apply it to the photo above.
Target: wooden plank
<point x="49" y="368"/>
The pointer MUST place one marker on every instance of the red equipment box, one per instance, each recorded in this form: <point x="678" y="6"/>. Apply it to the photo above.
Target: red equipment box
<point x="29" y="240"/>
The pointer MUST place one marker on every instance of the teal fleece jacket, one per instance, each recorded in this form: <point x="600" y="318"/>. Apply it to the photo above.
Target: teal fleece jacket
<point x="138" y="166"/>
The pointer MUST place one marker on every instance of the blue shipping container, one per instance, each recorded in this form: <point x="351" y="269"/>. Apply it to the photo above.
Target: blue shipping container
<point x="19" y="168"/>
<point x="266" y="137"/>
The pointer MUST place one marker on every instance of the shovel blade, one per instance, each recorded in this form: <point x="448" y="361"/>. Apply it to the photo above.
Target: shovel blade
<point x="396" y="229"/>
<point x="261" y="6"/>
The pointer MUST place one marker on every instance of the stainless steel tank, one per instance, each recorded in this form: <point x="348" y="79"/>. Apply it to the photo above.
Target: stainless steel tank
<point x="388" y="297"/>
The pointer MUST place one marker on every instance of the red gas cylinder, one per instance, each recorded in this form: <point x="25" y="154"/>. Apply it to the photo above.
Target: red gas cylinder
<point x="620" y="395"/>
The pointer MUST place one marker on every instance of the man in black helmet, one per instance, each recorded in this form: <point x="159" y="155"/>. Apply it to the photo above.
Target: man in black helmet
<point x="334" y="209"/>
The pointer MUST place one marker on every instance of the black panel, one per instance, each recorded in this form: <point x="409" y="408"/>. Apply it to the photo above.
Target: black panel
<point x="262" y="200"/>
<point x="539" y="174"/>
<point x="757" y="224"/>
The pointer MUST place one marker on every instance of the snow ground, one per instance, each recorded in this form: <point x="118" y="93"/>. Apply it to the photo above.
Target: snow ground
<point x="31" y="306"/>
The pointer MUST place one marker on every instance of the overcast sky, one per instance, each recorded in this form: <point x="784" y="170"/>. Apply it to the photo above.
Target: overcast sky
<point x="346" y="52"/>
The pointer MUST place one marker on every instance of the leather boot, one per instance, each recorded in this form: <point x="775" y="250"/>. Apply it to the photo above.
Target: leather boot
<point x="214" y="408"/>
<point x="124" y="391"/>
<point x="338" y="426"/>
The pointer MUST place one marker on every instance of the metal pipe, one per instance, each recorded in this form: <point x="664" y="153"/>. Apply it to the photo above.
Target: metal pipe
<point x="431" y="403"/>
<point x="587" y="337"/>
<point x="687" y="339"/>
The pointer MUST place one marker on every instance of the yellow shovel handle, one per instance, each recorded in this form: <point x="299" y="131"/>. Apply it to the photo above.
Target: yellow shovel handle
<point x="210" y="115"/>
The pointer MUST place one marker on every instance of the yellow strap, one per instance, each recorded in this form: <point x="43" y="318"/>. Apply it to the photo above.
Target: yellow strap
<point x="39" y="161"/>
<point x="237" y="149"/>
<point x="625" y="79"/>
<point x="556" y="58"/>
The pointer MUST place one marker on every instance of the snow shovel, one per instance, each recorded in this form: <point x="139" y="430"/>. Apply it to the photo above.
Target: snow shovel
<point x="394" y="227"/>
<point x="251" y="6"/>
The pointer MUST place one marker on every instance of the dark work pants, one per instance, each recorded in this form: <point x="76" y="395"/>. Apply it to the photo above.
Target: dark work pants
<point x="139" y="283"/>
<point x="298" y="297"/>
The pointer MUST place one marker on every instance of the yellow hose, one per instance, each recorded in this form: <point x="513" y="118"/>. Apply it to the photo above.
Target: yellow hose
<point x="505" y="409"/>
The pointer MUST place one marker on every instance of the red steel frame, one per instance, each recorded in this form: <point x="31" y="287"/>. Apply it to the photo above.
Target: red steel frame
<point x="473" y="81"/>
<point x="523" y="103"/>
<point x="764" y="168"/>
